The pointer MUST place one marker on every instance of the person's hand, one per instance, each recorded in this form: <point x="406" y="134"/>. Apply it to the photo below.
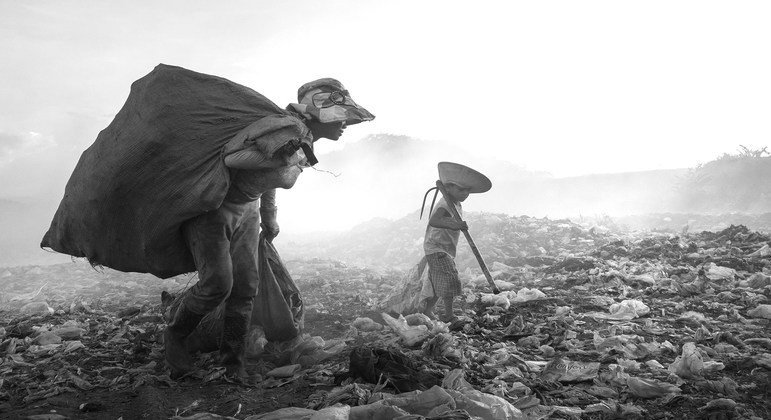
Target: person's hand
<point x="271" y="231"/>
<point x="268" y="223"/>
<point x="462" y="226"/>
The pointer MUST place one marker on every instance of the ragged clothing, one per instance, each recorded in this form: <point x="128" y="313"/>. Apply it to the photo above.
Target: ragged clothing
<point x="224" y="246"/>
<point x="443" y="275"/>
<point x="442" y="240"/>
<point x="224" y="241"/>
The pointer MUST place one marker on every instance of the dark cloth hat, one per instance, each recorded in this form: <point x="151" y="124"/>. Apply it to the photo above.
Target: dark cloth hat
<point x="327" y="100"/>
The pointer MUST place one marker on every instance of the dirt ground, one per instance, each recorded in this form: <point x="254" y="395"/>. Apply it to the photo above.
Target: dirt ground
<point x="187" y="396"/>
<point x="110" y="301"/>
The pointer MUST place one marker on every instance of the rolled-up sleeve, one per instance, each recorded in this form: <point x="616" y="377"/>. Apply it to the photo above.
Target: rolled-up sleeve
<point x="268" y="199"/>
<point x="266" y="143"/>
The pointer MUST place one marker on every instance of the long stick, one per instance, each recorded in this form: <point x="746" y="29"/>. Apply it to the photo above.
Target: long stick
<point x="471" y="243"/>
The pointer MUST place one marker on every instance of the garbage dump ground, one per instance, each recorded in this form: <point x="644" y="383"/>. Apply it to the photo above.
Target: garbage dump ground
<point x="590" y="324"/>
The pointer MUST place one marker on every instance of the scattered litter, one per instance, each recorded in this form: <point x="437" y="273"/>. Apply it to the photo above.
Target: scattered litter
<point x="525" y="295"/>
<point x="570" y="371"/>
<point x="689" y="364"/>
<point x="761" y="311"/>
<point x="366" y="324"/>
<point x="583" y="327"/>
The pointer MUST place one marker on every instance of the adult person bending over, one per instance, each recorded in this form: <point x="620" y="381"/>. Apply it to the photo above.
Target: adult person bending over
<point x="266" y="155"/>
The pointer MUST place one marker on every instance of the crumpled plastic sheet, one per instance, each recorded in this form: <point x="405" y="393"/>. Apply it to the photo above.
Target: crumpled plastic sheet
<point x="625" y="310"/>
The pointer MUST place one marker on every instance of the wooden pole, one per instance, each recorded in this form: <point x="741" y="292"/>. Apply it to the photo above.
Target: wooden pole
<point x="471" y="243"/>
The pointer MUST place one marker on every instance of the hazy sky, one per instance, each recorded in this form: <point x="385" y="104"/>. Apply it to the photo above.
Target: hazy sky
<point x="570" y="87"/>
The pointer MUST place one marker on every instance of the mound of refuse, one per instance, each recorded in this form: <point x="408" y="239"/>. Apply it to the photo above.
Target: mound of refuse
<point x="590" y="323"/>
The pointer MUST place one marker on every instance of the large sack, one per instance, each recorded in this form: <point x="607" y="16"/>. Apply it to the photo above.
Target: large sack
<point x="157" y="164"/>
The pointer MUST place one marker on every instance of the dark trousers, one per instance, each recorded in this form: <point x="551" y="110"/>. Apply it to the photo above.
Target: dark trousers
<point x="224" y="246"/>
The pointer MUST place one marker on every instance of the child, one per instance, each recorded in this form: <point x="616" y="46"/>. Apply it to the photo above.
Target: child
<point x="443" y="231"/>
<point x="440" y="244"/>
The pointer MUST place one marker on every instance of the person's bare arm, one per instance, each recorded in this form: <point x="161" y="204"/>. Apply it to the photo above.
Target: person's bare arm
<point x="268" y="199"/>
<point x="442" y="219"/>
<point x="269" y="214"/>
<point x="255" y="160"/>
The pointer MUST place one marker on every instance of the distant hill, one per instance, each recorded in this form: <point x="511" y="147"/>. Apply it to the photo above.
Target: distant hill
<point x="731" y="183"/>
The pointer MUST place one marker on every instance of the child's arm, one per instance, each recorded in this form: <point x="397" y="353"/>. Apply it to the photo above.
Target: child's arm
<point x="442" y="219"/>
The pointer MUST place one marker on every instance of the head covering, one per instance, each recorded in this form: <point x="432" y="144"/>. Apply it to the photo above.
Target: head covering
<point x="455" y="173"/>
<point x="327" y="100"/>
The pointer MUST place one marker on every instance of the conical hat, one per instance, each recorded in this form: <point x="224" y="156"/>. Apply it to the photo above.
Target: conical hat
<point x="464" y="176"/>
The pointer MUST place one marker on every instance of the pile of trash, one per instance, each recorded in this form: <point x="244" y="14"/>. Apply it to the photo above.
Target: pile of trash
<point x="596" y="323"/>
<point x="590" y="323"/>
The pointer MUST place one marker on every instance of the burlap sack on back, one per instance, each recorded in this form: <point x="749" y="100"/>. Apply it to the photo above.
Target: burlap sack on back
<point x="158" y="164"/>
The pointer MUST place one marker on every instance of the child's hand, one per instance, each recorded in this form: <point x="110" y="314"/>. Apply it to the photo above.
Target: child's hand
<point x="462" y="225"/>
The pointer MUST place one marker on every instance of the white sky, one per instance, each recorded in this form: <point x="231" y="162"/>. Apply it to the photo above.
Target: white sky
<point x="570" y="87"/>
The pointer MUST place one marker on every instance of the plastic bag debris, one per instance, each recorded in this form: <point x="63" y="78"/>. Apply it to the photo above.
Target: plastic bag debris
<point x="255" y="341"/>
<point x="724" y="386"/>
<point x="69" y="332"/>
<point x="623" y="311"/>
<point x="284" y="371"/>
<point x="419" y="319"/>
<point x="296" y="413"/>
<point x="716" y="272"/>
<point x="455" y="379"/>
<point x="693" y="316"/>
<point x="503" y="285"/>
<point x="763" y="252"/>
<point x="36" y="308"/>
<point x="309" y="351"/>
<point x="629" y="309"/>
<point x="410" y="335"/>
<point x="525" y="294"/>
<point x="46" y="338"/>
<point x="631" y="346"/>
<point x="763" y="360"/>
<point x="499" y="300"/>
<point x="757" y="281"/>
<point x="422" y="403"/>
<point x="650" y="388"/>
<point x="564" y="370"/>
<point x="689" y="364"/>
<point x="761" y="311"/>
<point x="443" y="345"/>
<point x="366" y="324"/>
<point x="376" y="411"/>
<point x="486" y="406"/>
<point x="288" y="413"/>
<point x="719" y="408"/>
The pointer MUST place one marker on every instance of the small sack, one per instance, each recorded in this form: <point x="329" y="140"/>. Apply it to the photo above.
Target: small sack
<point x="411" y="295"/>
<point x="278" y="307"/>
<point x="278" y="313"/>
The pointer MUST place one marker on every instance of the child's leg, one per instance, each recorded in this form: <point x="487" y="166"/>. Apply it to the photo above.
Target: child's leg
<point x="430" y="304"/>
<point x="448" y="307"/>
